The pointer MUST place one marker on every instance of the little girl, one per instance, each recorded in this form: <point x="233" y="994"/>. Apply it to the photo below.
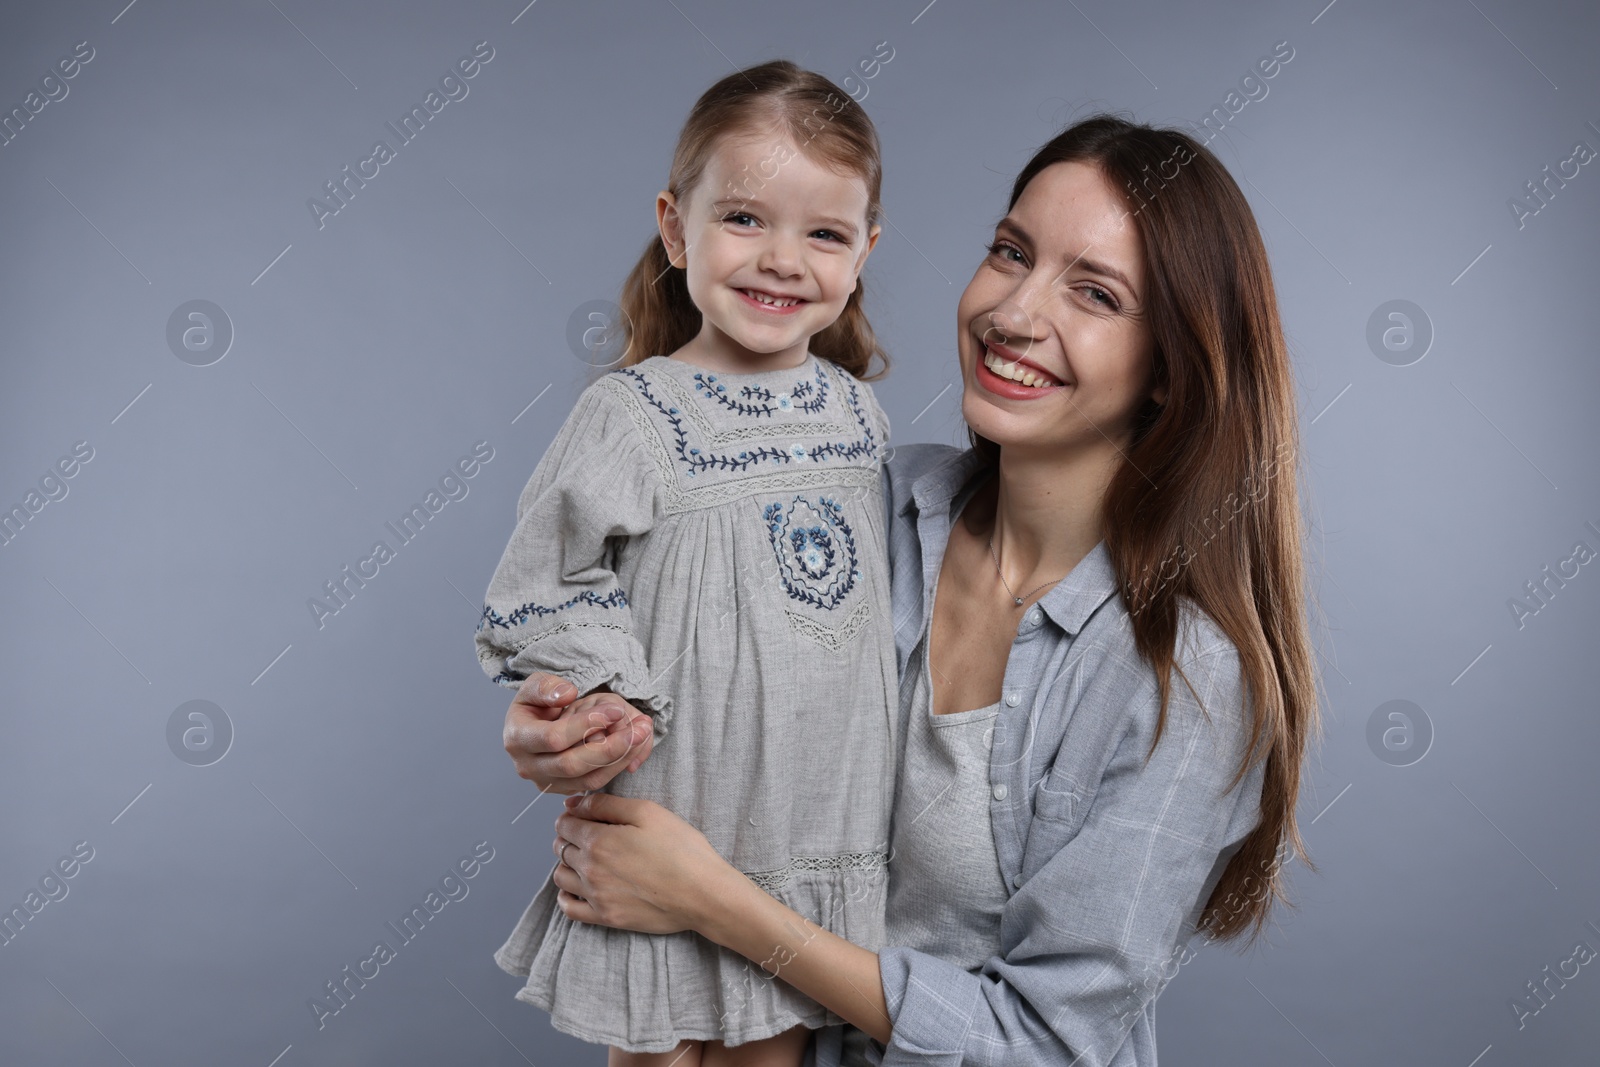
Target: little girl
<point x="705" y="538"/>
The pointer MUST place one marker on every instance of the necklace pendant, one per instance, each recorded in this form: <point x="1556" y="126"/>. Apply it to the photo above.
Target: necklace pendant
<point x="1018" y="600"/>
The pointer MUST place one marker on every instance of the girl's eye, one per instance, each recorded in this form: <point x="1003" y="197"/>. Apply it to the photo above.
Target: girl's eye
<point x="1005" y="250"/>
<point x="829" y="235"/>
<point x="739" y="218"/>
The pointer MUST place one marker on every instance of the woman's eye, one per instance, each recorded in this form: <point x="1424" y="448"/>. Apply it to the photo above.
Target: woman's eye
<point x="1006" y="250"/>
<point x="1095" y="293"/>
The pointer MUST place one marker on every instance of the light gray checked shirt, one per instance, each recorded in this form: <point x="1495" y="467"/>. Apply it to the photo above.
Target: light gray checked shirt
<point x="1108" y="860"/>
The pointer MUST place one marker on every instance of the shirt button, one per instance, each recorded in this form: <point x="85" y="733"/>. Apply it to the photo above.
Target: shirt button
<point x="1000" y="791"/>
<point x="1016" y="881"/>
<point x="1034" y="616"/>
<point x="1012" y="700"/>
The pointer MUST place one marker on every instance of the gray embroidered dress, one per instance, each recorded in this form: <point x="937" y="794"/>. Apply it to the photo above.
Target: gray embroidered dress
<point x="712" y="547"/>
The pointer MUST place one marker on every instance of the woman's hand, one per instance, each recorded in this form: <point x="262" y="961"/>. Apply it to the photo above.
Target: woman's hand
<point x="564" y="744"/>
<point x="635" y="865"/>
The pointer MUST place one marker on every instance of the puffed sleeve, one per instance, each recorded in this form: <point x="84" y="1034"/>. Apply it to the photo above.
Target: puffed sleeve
<point x="1093" y="935"/>
<point x="555" y="604"/>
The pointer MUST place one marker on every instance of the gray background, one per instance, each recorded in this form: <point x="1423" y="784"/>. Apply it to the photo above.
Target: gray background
<point x="434" y="308"/>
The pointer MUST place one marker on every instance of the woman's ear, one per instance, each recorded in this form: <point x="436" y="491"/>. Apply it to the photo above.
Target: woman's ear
<point x="669" y="220"/>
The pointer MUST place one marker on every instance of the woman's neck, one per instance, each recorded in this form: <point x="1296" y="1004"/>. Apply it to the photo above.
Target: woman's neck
<point x="1044" y="513"/>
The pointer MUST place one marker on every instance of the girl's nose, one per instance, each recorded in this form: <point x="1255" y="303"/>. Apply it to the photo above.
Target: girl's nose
<point x="780" y="254"/>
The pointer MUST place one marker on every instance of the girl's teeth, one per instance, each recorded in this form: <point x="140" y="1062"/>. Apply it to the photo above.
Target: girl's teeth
<point x="763" y="298"/>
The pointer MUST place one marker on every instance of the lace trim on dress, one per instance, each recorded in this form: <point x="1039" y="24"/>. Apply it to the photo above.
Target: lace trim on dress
<point x="517" y="644"/>
<point x="774" y="880"/>
<point x="832" y="639"/>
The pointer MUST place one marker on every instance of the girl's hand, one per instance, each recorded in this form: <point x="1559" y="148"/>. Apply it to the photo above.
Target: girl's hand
<point x="564" y="743"/>
<point x="634" y="865"/>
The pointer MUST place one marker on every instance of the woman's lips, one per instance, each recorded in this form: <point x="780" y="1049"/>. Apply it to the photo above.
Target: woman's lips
<point x="991" y="382"/>
<point x="1006" y="387"/>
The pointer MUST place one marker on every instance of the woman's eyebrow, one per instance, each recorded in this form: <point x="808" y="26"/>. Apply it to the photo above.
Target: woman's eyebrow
<point x="1009" y="227"/>
<point x="1094" y="266"/>
<point x="1103" y="269"/>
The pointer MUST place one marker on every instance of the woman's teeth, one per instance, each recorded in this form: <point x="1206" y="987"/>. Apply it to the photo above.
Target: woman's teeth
<point x="765" y="298"/>
<point x="1016" y="372"/>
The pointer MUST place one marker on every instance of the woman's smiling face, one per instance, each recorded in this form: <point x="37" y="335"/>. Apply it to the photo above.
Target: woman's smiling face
<point x="1055" y="349"/>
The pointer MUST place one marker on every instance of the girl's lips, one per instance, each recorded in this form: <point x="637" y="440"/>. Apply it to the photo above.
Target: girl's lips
<point x="992" y="382"/>
<point x="768" y="308"/>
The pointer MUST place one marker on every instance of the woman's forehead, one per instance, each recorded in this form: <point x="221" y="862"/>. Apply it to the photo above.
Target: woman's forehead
<point x="1071" y="208"/>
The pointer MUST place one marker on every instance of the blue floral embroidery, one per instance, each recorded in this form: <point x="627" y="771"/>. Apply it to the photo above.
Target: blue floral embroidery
<point x="760" y="401"/>
<point x="809" y="540"/>
<point x="517" y="617"/>
<point x="696" y="461"/>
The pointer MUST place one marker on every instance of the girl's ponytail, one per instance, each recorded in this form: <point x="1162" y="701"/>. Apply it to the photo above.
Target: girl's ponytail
<point x="658" y="318"/>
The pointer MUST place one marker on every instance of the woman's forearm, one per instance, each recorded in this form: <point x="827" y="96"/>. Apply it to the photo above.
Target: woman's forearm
<point x="841" y="976"/>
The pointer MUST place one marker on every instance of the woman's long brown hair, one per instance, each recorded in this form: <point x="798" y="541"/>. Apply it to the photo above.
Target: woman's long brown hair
<point x="1205" y="505"/>
<point x="827" y="126"/>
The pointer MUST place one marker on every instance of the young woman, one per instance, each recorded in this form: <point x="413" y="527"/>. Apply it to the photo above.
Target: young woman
<point x="1111" y="576"/>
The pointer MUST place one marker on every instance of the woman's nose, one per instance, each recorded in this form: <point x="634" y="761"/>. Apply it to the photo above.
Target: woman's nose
<point x="1010" y="324"/>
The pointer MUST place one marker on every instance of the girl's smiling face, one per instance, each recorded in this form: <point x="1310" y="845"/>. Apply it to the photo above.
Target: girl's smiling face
<point x="1055" y="351"/>
<point x="772" y="243"/>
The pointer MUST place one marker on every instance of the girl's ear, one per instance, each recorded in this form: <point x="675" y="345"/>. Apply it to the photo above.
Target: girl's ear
<point x="872" y="242"/>
<point x="669" y="221"/>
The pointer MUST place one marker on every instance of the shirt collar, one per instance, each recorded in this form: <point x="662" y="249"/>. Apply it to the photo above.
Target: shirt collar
<point x="945" y="490"/>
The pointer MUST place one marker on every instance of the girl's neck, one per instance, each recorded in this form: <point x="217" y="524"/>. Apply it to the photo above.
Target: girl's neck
<point x="713" y="350"/>
<point x="1044" y="512"/>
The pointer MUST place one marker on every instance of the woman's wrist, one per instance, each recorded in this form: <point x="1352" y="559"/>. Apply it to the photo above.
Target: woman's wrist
<point x="727" y="903"/>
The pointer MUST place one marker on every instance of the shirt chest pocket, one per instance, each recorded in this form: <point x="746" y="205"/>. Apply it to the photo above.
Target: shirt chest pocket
<point x="1060" y="802"/>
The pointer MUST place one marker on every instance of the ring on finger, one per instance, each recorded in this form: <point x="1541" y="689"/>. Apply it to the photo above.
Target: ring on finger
<point x="563" y="853"/>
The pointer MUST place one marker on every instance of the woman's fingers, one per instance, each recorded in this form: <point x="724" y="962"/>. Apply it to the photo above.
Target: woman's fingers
<point x="579" y="831"/>
<point x="604" y="807"/>
<point x="576" y="908"/>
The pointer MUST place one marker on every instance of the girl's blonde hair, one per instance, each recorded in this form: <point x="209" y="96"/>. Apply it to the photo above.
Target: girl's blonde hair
<point x="830" y="128"/>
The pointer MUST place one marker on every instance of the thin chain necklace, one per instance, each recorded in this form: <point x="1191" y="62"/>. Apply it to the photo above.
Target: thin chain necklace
<point x="1014" y="596"/>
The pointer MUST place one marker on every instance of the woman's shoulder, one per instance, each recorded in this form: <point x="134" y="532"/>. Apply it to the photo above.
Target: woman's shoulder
<point x="1198" y="635"/>
<point x="908" y="463"/>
